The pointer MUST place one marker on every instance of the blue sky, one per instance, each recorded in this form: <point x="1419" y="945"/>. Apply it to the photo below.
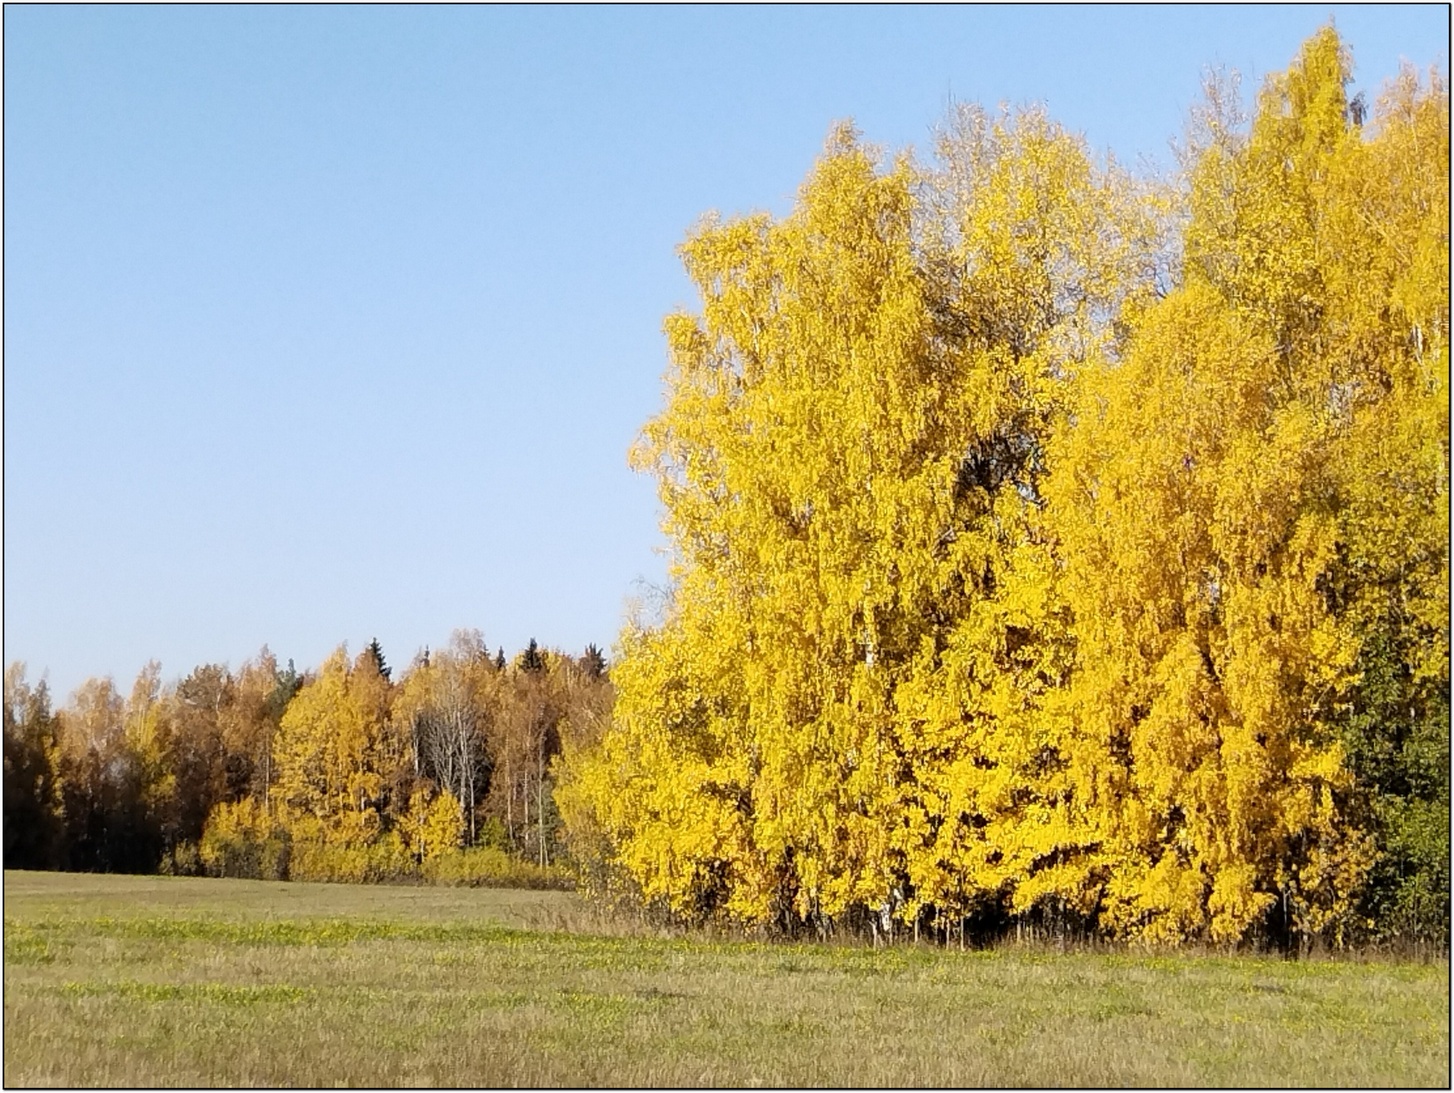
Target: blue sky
<point x="328" y="323"/>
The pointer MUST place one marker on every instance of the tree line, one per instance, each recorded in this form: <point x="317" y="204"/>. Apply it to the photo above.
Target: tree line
<point x="338" y="773"/>
<point x="1057" y="547"/>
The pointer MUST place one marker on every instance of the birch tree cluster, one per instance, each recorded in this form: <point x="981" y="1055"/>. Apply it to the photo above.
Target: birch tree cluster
<point x="1057" y="547"/>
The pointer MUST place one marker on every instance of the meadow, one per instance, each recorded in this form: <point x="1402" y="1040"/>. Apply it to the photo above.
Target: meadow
<point x="170" y="981"/>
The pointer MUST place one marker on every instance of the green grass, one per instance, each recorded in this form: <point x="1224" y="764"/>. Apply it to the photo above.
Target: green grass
<point x="161" y="981"/>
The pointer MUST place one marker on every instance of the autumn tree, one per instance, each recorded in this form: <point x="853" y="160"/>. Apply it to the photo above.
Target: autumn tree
<point x="1037" y="252"/>
<point x="336" y="748"/>
<point x="547" y="701"/>
<point x="101" y="781"/>
<point x="34" y="815"/>
<point x="191" y="735"/>
<point x="1034" y="562"/>
<point x="432" y="824"/>
<point x="1252" y="602"/>
<point x="848" y="458"/>
<point x="523" y="738"/>
<point x="1381" y="334"/>
<point x="447" y="703"/>
<point x="249" y="724"/>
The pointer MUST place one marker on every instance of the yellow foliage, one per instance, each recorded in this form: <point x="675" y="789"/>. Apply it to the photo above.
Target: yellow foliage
<point x="244" y="839"/>
<point x="848" y="460"/>
<point x="336" y="746"/>
<point x="1008" y="557"/>
<point x="433" y="824"/>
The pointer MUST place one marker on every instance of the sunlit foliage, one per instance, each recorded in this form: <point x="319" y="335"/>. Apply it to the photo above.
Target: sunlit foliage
<point x="1051" y="545"/>
<point x="339" y="774"/>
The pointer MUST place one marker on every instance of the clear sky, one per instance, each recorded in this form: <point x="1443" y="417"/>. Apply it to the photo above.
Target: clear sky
<point x="327" y="323"/>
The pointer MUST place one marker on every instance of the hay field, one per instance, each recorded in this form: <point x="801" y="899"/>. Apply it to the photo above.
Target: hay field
<point x="157" y="981"/>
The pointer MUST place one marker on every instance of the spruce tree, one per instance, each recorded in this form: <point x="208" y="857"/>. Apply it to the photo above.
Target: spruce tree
<point x="376" y="651"/>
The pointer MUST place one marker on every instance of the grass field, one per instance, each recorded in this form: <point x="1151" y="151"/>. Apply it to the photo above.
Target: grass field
<point x="158" y="981"/>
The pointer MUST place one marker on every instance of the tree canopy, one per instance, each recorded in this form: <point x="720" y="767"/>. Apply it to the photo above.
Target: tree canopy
<point x="1054" y="545"/>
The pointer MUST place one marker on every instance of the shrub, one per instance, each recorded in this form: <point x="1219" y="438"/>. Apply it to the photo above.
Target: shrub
<point x="182" y="860"/>
<point x="490" y="867"/>
<point x="244" y="840"/>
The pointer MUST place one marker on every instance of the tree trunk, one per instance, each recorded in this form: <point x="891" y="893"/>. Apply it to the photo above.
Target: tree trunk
<point x="471" y="805"/>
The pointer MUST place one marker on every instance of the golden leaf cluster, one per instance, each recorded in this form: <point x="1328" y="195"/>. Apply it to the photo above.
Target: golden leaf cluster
<point x="1031" y="523"/>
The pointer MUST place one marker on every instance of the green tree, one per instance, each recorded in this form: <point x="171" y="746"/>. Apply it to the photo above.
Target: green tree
<point x="531" y="660"/>
<point x="376" y="652"/>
